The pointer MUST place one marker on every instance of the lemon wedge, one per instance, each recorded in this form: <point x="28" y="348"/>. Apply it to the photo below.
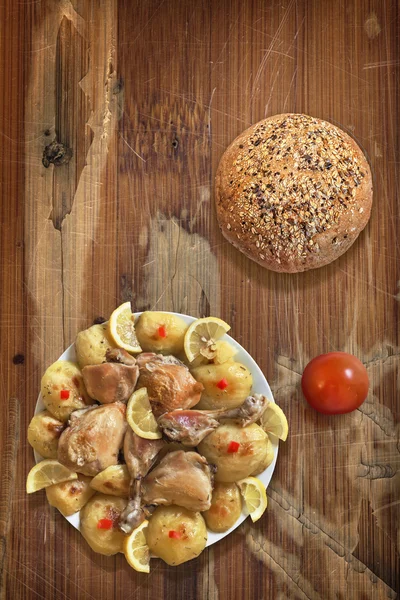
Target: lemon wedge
<point x="140" y="416"/>
<point x="136" y="549"/>
<point x="201" y="337"/>
<point x="121" y="328"/>
<point x="274" y="421"/>
<point x="254" y="496"/>
<point x="46" y="473"/>
<point x="114" y="480"/>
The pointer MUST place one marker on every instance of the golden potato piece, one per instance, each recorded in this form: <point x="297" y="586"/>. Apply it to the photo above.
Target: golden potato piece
<point x="269" y="457"/>
<point x="43" y="434"/>
<point x="160" y="332"/>
<point x="236" y="451"/>
<point x="99" y="523"/>
<point x="225" y="352"/>
<point x="236" y="378"/>
<point x="70" y="496"/>
<point x="114" y="480"/>
<point x="226" y="507"/>
<point x="63" y="390"/>
<point x="176" y="534"/>
<point x="92" y="344"/>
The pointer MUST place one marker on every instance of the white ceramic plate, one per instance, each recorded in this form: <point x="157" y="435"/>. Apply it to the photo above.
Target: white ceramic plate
<point x="260" y="386"/>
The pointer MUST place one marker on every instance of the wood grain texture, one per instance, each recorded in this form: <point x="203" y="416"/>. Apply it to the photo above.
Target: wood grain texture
<point x="147" y="95"/>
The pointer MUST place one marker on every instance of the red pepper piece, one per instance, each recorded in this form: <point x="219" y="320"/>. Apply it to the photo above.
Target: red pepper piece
<point x="162" y="331"/>
<point x="175" y="535"/>
<point x="222" y="384"/>
<point x="64" y="394"/>
<point x="105" y="524"/>
<point x="233" y="447"/>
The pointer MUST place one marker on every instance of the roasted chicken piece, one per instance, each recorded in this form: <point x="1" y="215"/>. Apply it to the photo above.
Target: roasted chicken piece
<point x="182" y="478"/>
<point x="145" y="357"/>
<point x="190" y="427"/>
<point x="140" y="455"/>
<point x="114" y="380"/>
<point x="93" y="438"/>
<point x="247" y="413"/>
<point x="187" y="426"/>
<point x="118" y="355"/>
<point x="169" y="383"/>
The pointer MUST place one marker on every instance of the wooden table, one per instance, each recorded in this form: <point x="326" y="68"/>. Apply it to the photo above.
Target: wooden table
<point x="147" y="95"/>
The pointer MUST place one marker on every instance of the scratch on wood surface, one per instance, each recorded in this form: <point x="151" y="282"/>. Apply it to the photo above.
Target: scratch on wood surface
<point x="130" y="147"/>
<point x="386" y="506"/>
<point x="143" y="27"/>
<point x="381" y="64"/>
<point x="35" y="574"/>
<point x="290" y="89"/>
<point x="282" y="54"/>
<point x="205" y="107"/>
<point x="269" y="50"/>
<point x="270" y="93"/>
<point x="25" y="585"/>
<point x="209" y="110"/>
<point x="232" y="28"/>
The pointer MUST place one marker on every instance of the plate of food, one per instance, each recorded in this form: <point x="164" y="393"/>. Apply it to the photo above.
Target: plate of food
<point x="155" y="434"/>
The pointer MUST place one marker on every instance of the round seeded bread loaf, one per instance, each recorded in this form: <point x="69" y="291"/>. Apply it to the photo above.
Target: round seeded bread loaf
<point x="293" y="192"/>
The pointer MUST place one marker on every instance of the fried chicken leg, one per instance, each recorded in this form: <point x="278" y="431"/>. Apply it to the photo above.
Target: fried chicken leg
<point x="190" y="427"/>
<point x="140" y="455"/>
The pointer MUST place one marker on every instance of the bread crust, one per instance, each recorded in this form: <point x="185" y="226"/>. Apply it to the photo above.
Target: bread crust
<point x="293" y="192"/>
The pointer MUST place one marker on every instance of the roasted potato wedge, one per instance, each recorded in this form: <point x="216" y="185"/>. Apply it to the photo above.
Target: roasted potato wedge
<point x="226" y="507"/>
<point x="236" y="451"/>
<point x="114" y="480"/>
<point x="70" y="496"/>
<point x="160" y="332"/>
<point x="176" y="534"/>
<point x="99" y="523"/>
<point x="63" y="390"/>
<point x="43" y="434"/>
<point x="92" y="344"/>
<point x="269" y="457"/>
<point x="236" y="377"/>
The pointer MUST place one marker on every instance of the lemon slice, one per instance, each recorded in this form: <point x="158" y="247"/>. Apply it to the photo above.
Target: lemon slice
<point x="254" y="496"/>
<point x="46" y="473"/>
<point x="201" y="337"/>
<point x="140" y="416"/>
<point x="121" y="327"/>
<point x="136" y="549"/>
<point x="274" y="421"/>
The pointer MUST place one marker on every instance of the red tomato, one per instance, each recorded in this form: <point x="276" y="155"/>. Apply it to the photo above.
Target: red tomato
<point x="335" y="383"/>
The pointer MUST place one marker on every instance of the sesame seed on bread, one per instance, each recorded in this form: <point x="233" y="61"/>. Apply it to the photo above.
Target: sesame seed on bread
<point x="293" y="192"/>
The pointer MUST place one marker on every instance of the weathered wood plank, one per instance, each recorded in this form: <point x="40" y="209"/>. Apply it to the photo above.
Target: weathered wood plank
<point x="147" y="95"/>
